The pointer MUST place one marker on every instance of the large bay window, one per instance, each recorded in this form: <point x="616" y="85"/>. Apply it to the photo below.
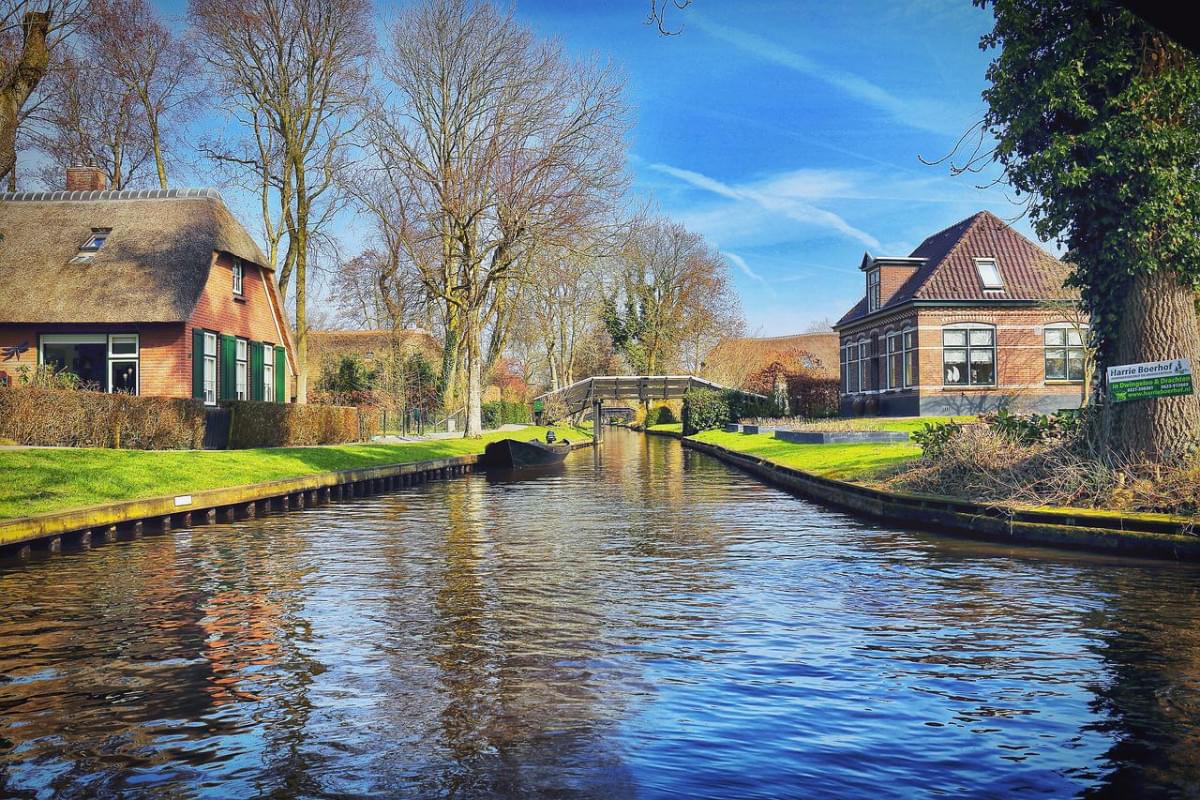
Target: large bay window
<point x="1065" y="354"/>
<point x="969" y="355"/>
<point x="106" y="362"/>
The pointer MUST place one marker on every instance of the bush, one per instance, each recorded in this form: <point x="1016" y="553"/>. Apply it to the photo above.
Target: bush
<point x="704" y="409"/>
<point x="661" y="415"/>
<point x="1035" y="428"/>
<point x="257" y="424"/>
<point x="74" y="418"/>
<point x="503" y="412"/>
<point x="811" y="396"/>
<point x="935" y="436"/>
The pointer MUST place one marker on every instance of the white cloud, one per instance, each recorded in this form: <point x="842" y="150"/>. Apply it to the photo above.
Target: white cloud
<point x="922" y="114"/>
<point x="789" y="206"/>
<point x="741" y="264"/>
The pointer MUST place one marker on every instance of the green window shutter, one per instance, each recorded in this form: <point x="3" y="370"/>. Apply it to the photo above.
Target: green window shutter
<point x="280" y="375"/>
<point x="228" y="386"/>
<point x="256" y="370"/>
<point x="198" y="363"/>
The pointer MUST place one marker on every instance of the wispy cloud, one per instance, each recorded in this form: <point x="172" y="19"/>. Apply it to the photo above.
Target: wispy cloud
<point x="741" y="264"/>
<point x="920" y="113"/>
<point x="787" y="203"/>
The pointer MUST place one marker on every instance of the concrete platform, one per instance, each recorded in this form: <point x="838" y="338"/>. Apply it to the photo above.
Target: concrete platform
<point x="841" y="437"/>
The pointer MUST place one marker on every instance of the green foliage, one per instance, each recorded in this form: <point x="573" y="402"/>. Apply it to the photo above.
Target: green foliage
<point x="660" y="415"/>
<point x="346" y="375"/>
<point x="934" y="436"/>
<point x="704" y="409"/>
<point x="1036" y="428"/>
<point x="503" y="412"/>
<point x="1096" y="116"/>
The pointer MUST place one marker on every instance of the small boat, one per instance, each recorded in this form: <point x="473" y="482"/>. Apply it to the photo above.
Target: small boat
<point x="513" y="454"/>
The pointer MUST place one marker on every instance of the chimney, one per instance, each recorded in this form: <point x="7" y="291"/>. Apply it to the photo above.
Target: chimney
<point x="88" y="178"/>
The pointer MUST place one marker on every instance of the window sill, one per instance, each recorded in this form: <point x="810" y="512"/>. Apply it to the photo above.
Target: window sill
<point x="969" y="388"/>
<point x="239" y="298"/>
<point x="1063" y="383"/>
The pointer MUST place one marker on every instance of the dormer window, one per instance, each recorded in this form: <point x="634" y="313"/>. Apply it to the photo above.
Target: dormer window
<point x="873" y="290"/>
<point x="237" y="276"/>
<point x="989" y="273"/>
<point x="87" y="250"/>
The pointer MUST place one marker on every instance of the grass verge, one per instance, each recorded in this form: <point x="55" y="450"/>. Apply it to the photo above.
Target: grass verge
<point x="847" y="462"/>
<point x="41" y="481"/>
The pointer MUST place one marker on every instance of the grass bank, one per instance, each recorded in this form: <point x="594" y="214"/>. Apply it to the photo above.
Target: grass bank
<point x="40" y="481"/>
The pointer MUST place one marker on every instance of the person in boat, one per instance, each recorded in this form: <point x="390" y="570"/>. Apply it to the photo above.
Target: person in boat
<point x="550" y="437"/>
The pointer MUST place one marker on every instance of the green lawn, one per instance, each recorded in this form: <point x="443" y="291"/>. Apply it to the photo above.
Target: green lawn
<point x="675" y="427"/>
<point x="841" y="461"/>
<point x="39" y="481"/>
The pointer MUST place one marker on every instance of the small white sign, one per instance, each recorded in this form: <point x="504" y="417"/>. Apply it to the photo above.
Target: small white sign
<point x="183" y="500"/>
<point x="1151" y="369"/>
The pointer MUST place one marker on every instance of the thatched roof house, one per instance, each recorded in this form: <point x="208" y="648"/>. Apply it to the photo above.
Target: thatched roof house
<point x="148" y="291"/>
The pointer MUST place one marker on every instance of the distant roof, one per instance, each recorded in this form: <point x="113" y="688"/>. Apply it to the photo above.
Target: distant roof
<point x="948" y="271"/>
<point x="733" y="359"/>
<point x="152" y="267"/>
<point x="334" y="343"/>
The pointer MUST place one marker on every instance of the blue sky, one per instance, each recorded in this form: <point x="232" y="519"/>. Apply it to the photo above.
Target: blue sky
<point x="788" y="133"/>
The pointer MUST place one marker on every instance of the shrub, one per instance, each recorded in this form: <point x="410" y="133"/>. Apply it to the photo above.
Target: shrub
<point x="503" y="412"/>
<point x="257" y="424"/>
<point x="661" y="415"/>
<point x="73" y="418"/>
<point x="935" y="436"/>
<point x="704" y="409"/>
<point x="813" y="396"/>
<point x="1035" y="428"/>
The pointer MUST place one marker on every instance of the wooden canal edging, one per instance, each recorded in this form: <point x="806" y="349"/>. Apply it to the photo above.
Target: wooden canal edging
<point x="1147" y="535"/>
<point x="132" y="518"/>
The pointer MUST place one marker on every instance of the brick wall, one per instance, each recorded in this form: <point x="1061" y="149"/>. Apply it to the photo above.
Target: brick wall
<point x="891" y="279"/>
<point x="250" y="316"/>
<point x="1020" y="361"/>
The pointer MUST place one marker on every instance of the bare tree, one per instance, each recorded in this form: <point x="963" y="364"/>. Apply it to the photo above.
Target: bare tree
<point x="29" y="32"/>
<point x="128" y="40"/>
<point x="498" y="145"/>
<point x="295" y="73"/>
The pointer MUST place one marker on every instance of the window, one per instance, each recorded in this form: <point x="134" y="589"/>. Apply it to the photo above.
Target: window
<point x="901" y="358"/>
<point x="102" y="362"/>
<point x="240" y="370"/>
<point x="268" y="373"/>
<point x="910" y="357"/>
<point x="989" y="273"/>
<point x="210" y="368"/>
<point x="864" y="365"/>
<point x="1064" y="352"/>
<point x="845" y="368"/>
<point x="969" y="356"/>
<point x="852" y="374"/>
<point x="87" y="250"/>
<point x="237" y="276"/>
<point x="872" y="290"/>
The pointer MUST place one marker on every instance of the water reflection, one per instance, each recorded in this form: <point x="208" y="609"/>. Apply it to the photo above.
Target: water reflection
<point x="641" y="623"/>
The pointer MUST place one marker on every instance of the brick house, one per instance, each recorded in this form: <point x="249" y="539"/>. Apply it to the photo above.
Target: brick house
<point x="152" y="292"/>
<point x="975" y="319"/>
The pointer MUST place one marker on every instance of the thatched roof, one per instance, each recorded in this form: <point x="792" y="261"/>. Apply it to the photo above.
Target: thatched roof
<point x="152" y="268"/>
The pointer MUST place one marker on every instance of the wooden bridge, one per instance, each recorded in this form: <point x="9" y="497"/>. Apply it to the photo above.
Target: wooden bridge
<point x="593" y="392"/>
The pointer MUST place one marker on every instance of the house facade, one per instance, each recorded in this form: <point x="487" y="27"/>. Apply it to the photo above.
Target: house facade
<point x="151" y="292"/>
<point x="975" y="319"/>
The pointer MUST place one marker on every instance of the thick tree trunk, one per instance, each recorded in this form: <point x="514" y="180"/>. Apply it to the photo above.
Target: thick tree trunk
<point x="474" y="377"/>
<point x="1158" y="323"/>
<point x="29" y="70"/>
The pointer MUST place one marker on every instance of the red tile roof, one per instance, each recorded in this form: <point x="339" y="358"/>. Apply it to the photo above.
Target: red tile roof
<point x="949" y="272"/>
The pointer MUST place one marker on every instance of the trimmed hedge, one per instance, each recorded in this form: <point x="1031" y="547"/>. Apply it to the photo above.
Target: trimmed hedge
<point x="501" y="412"/>
<point x="260" y="424"/>
<point x="704" y="409"/>
<point x="75" y="418"/>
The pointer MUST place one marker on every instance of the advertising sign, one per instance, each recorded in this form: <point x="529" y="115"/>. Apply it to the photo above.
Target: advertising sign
<point x="1153" y="379"/>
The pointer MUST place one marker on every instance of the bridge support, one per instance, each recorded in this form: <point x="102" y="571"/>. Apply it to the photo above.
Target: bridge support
<point x="597" y="426"/>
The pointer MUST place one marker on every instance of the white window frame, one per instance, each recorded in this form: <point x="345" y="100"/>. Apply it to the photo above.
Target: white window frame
<point x="1067" y="328"/>
<point x="238" y="277"/>
<point x="268" y="372"/>
<point x="106" y="339"/>
<point x="241" y="369"/>
<point x="873" y="289"/>
<point x="908" y="339"/>
<point x="968" y="348"/>
<point x="864" y="359"/>
<point x="894" y="350"/>
<point x="989" y="273"/>
<point x="210" y="369"/>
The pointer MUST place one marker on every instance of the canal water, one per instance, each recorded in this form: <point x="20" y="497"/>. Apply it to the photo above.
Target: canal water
<point x="645" y="623"/>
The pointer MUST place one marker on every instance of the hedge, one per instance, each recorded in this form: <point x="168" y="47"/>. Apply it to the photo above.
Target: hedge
<point x="812" y="396"/>
<point x="75" y="418"/>
<point x="259" y="424"/>
<point x="704" y="409"/>
<point x="501" y="412"/>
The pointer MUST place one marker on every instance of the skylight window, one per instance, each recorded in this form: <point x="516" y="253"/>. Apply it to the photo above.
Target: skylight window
<point x="87" y="250"/>
<point x="989" y="273"/>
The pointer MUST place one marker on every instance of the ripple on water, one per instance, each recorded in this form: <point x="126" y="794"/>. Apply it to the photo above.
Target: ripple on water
<point x="648" y="623"/>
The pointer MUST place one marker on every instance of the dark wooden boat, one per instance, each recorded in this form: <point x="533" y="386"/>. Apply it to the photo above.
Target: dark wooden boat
<point x="513" y="454"/>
